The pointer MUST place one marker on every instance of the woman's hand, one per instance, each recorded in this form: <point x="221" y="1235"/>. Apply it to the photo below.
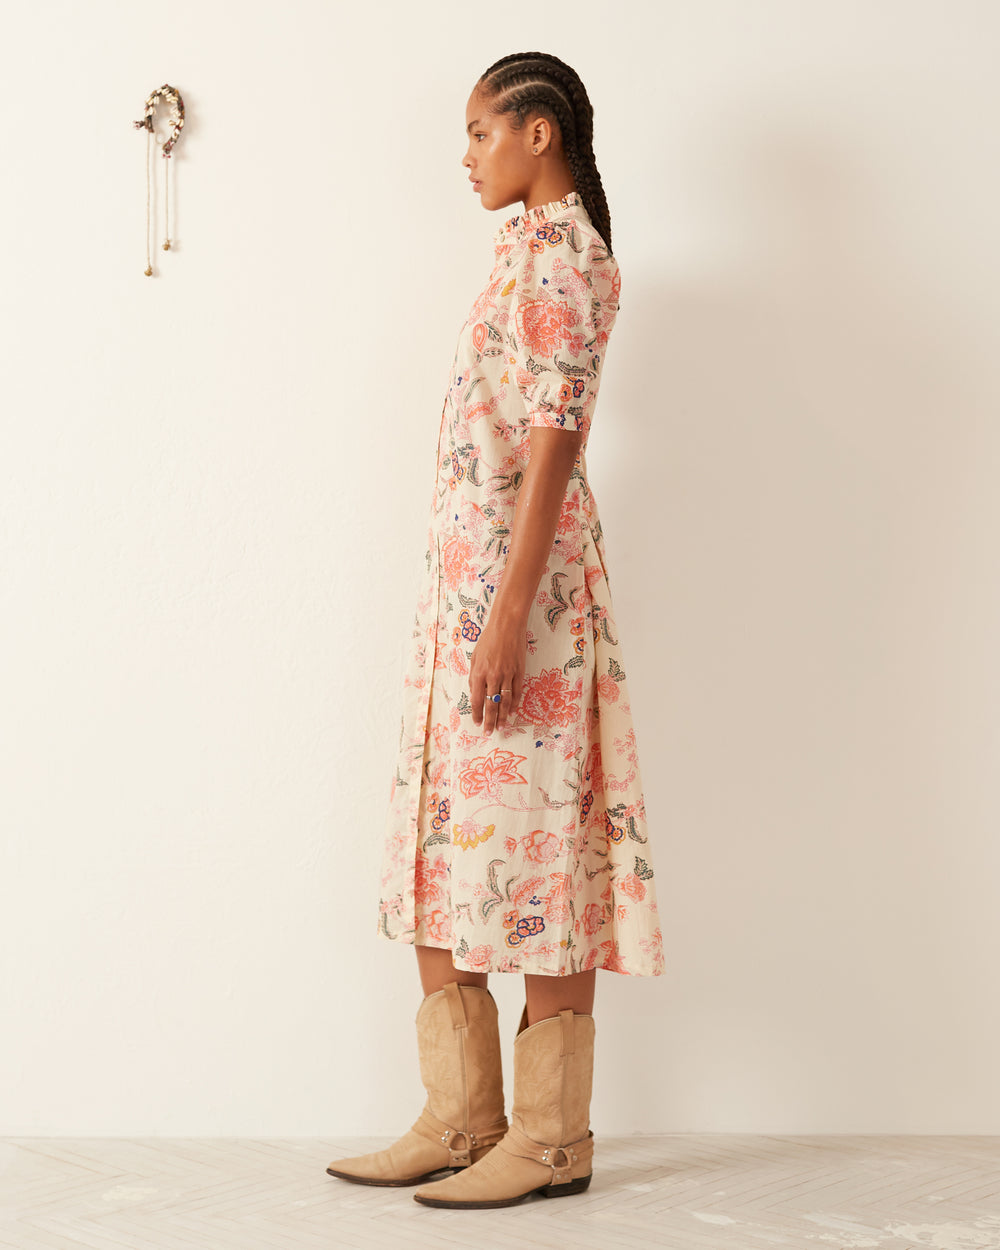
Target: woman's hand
<point x="497" y="668"/>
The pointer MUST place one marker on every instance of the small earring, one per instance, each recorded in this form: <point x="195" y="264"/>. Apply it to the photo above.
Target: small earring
<point x="535" y="150"/>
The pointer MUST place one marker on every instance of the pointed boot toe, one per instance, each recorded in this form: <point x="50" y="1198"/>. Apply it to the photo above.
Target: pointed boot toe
<point x="409" y="1161"/>
<point x="458" y="1041"/>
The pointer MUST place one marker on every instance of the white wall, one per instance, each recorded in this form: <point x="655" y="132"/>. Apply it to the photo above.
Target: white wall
<point x="212" y="509"/>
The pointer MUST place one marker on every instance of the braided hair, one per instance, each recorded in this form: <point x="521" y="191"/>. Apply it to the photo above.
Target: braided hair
<point x="537" y="82"/>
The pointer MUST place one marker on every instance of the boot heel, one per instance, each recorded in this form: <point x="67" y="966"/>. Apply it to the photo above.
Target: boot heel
<point x="571" y="1187"/>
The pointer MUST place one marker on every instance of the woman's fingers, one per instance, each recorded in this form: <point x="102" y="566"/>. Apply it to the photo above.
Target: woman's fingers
<point x="477" y="693"/>
<point x="489" y="714"/>
<point x="495" y="670"/>
<point x="496" y="713"/>
<point x="493" y="713"/>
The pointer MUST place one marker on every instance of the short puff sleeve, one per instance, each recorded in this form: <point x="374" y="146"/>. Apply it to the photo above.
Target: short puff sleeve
<point x="565" y="303"/>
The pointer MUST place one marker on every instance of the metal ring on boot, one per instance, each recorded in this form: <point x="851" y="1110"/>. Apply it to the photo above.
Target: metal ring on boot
<point x="429" y="1126"/>
<point x="517" y="1142"/>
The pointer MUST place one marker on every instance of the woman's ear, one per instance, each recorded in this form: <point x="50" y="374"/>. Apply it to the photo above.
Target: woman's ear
<point x="541" y="134"/>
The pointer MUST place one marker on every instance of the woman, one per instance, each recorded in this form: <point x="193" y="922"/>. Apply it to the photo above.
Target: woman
<point x="516" y="836"/>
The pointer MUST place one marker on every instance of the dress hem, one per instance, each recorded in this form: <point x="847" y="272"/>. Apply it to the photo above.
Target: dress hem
<point x="605" y="966"/>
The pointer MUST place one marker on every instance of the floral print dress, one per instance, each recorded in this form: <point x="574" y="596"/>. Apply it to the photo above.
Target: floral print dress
<point x="524" y="850"/>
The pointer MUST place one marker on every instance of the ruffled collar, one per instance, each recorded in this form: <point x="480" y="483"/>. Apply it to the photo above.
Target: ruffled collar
<point x="514" y="228"/>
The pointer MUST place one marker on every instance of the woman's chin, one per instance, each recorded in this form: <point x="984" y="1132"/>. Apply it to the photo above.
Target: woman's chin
<point x="494" y="202"/>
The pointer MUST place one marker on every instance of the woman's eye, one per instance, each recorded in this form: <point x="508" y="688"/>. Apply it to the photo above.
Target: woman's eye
<point x="480" y="136"/>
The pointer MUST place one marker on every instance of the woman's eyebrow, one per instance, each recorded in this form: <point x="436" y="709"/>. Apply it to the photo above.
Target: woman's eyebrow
<point x="471" y="124"/>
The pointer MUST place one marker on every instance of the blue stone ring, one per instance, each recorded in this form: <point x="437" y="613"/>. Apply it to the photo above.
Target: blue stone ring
<point x="495" y="698"/>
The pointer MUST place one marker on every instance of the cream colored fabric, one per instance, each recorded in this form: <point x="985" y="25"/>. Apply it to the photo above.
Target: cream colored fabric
<point x="524" y="850"/>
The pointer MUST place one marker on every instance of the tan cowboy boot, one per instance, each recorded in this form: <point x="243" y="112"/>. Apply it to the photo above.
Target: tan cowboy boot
<point x="459" y="1045"/>
<point x="549" y="1147"/>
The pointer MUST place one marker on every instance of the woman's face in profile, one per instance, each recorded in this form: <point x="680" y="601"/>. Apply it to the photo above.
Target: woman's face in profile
<point x="497" y="158"/>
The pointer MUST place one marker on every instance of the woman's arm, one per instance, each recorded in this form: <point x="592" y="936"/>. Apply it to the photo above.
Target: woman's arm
<point x="498" y="659"/>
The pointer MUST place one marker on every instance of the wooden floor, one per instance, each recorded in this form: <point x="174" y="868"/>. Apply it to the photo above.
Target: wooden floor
<point x="686" y="1192"/>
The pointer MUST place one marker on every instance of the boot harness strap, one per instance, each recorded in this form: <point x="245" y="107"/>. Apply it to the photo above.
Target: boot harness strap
<point x="429" y="1126"/>
<point x="561" y="1159"/>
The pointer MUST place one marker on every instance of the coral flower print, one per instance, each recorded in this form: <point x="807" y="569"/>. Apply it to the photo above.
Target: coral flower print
<point x="541" y="846"/>
<point x="438" y="926"/>
<point x="632" y="886"/>
<point x="487" y="773"/>
<point x="547" y="699"/>
<point x="593" y="918"/>
<point x="544" y="325"/>
<point x="459" y="557"/>
<point x="525" y="849"/>
<point x="608" y="688"/>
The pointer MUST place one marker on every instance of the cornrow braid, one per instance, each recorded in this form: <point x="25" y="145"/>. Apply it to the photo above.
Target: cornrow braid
<point x="527" y="82"/>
